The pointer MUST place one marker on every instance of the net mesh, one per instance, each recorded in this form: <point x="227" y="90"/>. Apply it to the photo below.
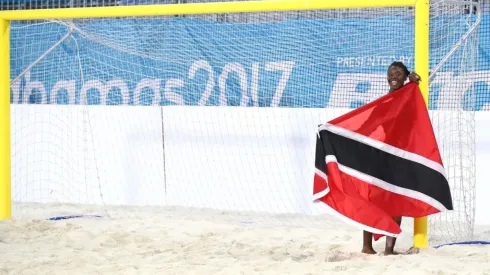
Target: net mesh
<point x="453" y="63"/>
<point x="220" y="111"/>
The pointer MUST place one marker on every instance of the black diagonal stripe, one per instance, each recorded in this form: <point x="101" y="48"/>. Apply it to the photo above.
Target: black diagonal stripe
<point x="320" y="156"/>
<point x="387" y="167"/>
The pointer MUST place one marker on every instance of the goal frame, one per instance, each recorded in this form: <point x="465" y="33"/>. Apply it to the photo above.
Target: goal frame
<point x="420" y="238"/>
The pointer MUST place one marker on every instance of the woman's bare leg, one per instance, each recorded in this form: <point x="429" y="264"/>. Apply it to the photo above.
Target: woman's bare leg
<point x="367" y="243"/>
<point x="391" y="241"/>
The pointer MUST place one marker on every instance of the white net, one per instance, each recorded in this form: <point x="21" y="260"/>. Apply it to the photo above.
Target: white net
<point x="453" y="63"/>
<point x="216" y="111"/>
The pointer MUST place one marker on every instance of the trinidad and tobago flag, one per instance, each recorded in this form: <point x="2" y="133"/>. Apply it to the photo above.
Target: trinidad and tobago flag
<point x="381" y="161"/>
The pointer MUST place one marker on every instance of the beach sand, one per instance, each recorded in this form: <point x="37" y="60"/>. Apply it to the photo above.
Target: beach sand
<point x="177" y="240"/>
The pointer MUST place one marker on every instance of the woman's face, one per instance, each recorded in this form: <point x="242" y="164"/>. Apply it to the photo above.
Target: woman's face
<point x="396" y="78"/>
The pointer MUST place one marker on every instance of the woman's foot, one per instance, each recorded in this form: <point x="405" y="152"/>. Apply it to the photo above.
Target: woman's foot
<point x="390" y="252"/>
<point x="367" y="243"/>
<point x="368" y="250"/>
<point x="412" y="250"/>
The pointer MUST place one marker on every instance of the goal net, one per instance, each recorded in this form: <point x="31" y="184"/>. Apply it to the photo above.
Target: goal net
<point x="452" y="101"/>
<point x="220" y="111"/>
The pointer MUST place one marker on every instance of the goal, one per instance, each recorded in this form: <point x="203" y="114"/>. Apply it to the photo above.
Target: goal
<point x="216" y="105"/>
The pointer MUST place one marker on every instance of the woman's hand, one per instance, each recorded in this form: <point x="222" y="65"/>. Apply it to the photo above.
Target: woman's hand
<point x="414" y="77"/>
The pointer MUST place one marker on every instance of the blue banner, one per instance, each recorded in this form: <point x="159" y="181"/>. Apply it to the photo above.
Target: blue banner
<point x="182" y="61"/>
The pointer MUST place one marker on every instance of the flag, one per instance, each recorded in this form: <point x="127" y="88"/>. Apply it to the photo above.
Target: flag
<point x="381" y="161"/>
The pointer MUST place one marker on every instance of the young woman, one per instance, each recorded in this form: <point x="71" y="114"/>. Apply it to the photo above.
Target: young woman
<point x="397" y="76"/>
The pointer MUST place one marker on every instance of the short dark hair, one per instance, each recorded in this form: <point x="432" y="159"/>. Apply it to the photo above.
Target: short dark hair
<point x="401" y="66"/>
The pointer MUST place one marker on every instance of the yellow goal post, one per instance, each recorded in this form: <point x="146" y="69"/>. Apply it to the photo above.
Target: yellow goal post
<point x="421" y="55"/>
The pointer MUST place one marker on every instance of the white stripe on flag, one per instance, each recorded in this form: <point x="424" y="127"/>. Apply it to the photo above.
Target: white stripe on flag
<point x="387" y="186"/>
<point x="384" y="147"/>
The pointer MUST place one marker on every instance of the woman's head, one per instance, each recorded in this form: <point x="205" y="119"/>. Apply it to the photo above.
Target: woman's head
<point x="397" y="75"/>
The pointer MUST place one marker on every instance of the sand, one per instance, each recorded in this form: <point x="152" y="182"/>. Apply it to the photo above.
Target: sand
<point x="143" y="240"/>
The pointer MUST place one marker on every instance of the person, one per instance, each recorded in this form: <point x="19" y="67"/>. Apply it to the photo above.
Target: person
<point x="397" y="76"/>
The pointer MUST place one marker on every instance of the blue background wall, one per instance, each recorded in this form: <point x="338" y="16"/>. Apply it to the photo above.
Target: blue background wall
<point x="319" y="52"/>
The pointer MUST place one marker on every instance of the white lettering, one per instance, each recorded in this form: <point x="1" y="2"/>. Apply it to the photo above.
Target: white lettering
<point x="15" y="86"/>
<point x="91" y="84"/>
<point x="254" y="89"/>
<point x="387" y="60"/>
<point x="104" y="90"/>
<point x="33" y="86"/>
<point x="474" y="77"/>
<point x="153" y="84"/>
<point x="123" y="88"/>
<point x="349" y="89"/>
<point x="203" y="64"/>
<point x="242" y="76"/>
<point x="286" y="68"/>
<point x="407" y="60"/>
<point x="371" y="61"/>
<point x="344" y="90"/>
<point x="447" y="92"/>
<point x="68" y="85"/>
<point x="172" y="96"/>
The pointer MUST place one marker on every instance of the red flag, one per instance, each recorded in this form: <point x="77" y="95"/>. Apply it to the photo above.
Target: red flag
<point x="382" y="161"/>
